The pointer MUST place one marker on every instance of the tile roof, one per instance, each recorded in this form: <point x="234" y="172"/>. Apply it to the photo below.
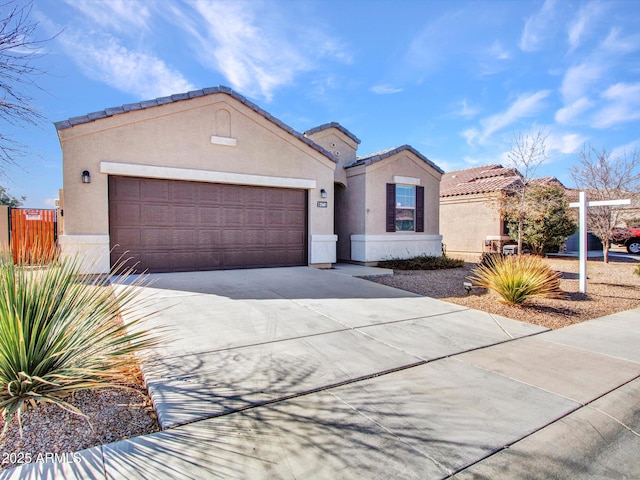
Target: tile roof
<point x="484" y="179"/>
<point x="376" y="157"/>
<point x="326" y="126"/>
<point x="110" y="112"/>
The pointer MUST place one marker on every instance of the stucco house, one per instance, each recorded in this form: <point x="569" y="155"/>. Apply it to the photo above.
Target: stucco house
<point x="472" y="223"/>
<point x="208" y="180"/>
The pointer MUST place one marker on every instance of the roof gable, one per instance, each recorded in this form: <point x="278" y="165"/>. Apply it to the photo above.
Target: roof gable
<point x="376" y="157"/>
<point x="110" y="112"/>
<point x="335" y="125"/>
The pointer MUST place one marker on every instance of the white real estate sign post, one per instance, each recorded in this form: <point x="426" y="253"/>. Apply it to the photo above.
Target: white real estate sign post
<point x="582" y="204"/>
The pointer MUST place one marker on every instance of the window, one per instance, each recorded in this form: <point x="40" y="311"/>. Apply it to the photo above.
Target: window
<point x="405" y="208"/>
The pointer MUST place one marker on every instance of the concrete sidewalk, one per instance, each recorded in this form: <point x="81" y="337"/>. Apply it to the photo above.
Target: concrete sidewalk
<point x="301" y="373"/>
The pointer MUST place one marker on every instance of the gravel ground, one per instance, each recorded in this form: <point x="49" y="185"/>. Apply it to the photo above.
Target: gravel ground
<point x="112" y="414"/>
<point x="611" y="288"/>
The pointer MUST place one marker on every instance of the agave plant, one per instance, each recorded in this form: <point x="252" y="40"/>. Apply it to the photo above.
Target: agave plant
<point x="60" y="333"/>
<point x="518" y="278"/>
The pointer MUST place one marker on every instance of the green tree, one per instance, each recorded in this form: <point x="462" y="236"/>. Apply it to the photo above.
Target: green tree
<point x="527" y="153"/>
<point x="10" y="200"/>
<point x="546" y="222"/>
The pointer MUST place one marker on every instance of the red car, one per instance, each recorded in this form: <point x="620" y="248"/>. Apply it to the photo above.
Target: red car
<point x="629" y="237"/>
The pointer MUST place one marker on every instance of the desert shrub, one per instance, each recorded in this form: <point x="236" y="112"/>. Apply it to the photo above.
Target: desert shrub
<point x="518" y="278"/>
<point x="60" y="333"/>
<point x="637" y="270"/>
<point x="487" y="258"/>
<point x="422" y="262"/>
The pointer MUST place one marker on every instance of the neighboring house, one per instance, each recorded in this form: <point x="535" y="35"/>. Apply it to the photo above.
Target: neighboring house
<point x="208" y="180"/>
<point x="469" y="208"/>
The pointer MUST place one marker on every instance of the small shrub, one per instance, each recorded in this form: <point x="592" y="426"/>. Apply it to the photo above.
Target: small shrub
<point x="422" y="262"/>
<point x="637" y="270"/>
<point x="60" y="333"/>
<point x="518" y="278"/>
<point x="488" y="258"/>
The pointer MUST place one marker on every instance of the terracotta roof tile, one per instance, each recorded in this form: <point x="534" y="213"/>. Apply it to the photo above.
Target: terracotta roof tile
<point x="483" y="179"/>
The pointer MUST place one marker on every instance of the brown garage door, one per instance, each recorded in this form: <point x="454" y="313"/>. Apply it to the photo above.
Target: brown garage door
<point x="171" y="226"/>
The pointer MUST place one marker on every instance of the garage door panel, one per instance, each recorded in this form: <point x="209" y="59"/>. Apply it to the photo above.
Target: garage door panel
<point x="231" y="195"/>
<point x="276" y="218"/>
<point x="255" y="217"/>
<point x="155" y="190"/>
<point x="153" y="261"/>
<point x="127" y="188"/>
<point x="209" y="215"/>
<point x="157" y="238"/>
<point x="184" y="238"/>
<point x="128" y="213"/>
<point x="170" y="225"/>
<point x="233" y="217"/>
<point x="183" y="193"/>
<point x="128" y="236"/>
<point x="209" y="237"/>
<point x="184" y="215"/>
<point x="209" y="260"/>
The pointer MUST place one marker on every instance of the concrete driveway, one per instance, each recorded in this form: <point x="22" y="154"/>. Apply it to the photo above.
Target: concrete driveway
<point x="303" y="373"/>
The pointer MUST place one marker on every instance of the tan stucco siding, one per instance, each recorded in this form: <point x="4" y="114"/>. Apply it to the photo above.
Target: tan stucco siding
<point x="340" y="146"/>
<point x="467" y="221"/>
<point x="383" y="172"/>
<point x="178" y="135"/>
<point x="350" y="212"/>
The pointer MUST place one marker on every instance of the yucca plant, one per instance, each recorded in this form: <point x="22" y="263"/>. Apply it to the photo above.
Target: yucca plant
<point x="518" y="278"/>
<point x="60" y="333"/>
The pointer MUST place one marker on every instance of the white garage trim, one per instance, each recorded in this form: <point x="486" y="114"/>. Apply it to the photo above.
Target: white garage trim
<point x="193" y="175"/>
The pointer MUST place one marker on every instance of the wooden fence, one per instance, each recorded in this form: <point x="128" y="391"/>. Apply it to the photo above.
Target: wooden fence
<point x="33" y="234"/>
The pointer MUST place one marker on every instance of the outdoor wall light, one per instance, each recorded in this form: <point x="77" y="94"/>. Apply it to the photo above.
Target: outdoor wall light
<point x="323" y="193"/>
<point x="86" y="177"/>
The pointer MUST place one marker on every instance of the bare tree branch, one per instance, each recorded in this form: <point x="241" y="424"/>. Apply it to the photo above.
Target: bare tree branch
<point x="527" y="153"/>
<point x="18" y="74"/>
<point x="606" y="177"/>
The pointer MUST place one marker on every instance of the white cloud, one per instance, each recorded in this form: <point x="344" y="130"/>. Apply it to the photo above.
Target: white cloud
<point x="579" y="79"/>
<point x="578" y="28"/>
<point x="50" y="202"/>
<point x="524" y="106"/>
<point x="384" y="89"/>
<point x="257" y="47"/>
<point x="537" y="27"/>
<point x="623" y="105"/>
<point x="498" y="52"/>
<point x="570" y="113"/>
<point x="466" y="111"/>
<point x="616" y="43"/>
<point x="120" y="15"/>
<point x="622" y="150"/>
<point x="470" y="135"/>
<point x="566" y="143"/>
<point x="103" y="59"/>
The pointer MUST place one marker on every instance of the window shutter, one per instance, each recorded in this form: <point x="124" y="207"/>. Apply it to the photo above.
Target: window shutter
<point x="419" y="209"/>
<point x="391" y="207"/>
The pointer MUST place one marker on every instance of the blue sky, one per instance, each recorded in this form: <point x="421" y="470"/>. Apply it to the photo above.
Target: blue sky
<point x="454" y="79"/>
